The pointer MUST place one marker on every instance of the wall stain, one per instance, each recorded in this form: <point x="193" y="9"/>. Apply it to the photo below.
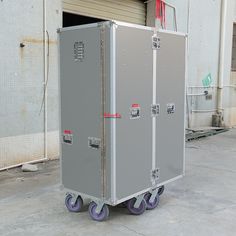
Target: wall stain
<point x="37" y="41"/>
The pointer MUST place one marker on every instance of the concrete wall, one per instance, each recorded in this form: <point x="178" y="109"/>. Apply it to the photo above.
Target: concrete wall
<point x="229" y="77"/>
<point x="203" y="28"/>
<point x="21" y="80"/>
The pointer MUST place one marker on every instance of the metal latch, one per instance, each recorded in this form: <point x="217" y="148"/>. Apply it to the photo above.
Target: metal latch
<point x="170" y="108"/>
<point x="156" y="42"/>
<point x="155" y="110"/>
<point x="68" y="137"/>
<point x="94" y="143"/>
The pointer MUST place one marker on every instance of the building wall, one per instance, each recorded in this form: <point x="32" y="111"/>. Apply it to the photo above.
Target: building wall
<point x="201" y="20"/>
<point x="21" y="81"/>
<point x="230" y="77"/>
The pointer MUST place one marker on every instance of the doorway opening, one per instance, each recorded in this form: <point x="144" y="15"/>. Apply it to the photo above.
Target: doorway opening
<point x="70" y="19"/>
<point x="233" y="62"/>
<point x="233" y="65"/>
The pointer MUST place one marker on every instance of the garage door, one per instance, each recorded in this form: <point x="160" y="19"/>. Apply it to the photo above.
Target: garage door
<point x="132" y="11"/>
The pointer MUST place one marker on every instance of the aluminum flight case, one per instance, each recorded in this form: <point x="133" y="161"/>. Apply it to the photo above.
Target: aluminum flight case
<point x="122" y="99"/>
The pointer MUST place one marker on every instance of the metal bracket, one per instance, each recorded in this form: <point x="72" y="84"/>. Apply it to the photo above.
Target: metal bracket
<point x="99" y="207"/>
<point x="156" y="42"/>
<point x="153" y="196"/>
<point x="138" y="200"/>
<point x="74" y="197"/>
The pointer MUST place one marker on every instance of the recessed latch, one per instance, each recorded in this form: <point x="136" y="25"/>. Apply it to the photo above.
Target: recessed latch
<point x="68" y="137"/>
<point x="94" y="143"/>
<point x="135" y="111"/>
<point x="156" y="42"/>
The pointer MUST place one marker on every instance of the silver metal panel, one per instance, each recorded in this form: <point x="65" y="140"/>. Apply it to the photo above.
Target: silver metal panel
<point x="81" y="110"/>
<point x="133" y="87"/>
<point x="171" y="97"/>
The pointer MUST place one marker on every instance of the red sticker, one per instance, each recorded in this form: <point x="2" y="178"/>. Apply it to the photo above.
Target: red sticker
<point x="68" y="132"/>
<point x="108" y="115"/>
<point x="135" y="105"/>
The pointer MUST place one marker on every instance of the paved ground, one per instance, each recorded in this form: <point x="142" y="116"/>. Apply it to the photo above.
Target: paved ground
<point x="201" y="204"/>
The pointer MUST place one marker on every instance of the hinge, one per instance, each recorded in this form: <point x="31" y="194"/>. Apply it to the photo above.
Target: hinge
<point x="155" y="110"/>
<point x="154" y="176"/>
<point x="156" y="42"/>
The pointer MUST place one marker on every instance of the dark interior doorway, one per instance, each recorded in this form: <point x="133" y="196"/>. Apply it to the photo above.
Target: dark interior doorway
<point x="233" y="67"/>
<point x="70" y="19"/>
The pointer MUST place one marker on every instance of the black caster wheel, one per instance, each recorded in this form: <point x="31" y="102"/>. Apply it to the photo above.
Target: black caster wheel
<point x="161" y="190"/>
<point x="73" y="206"/>
<point x="136" y="211"/>
<point x="154" y="204"/>
<point x="102" y="216"/>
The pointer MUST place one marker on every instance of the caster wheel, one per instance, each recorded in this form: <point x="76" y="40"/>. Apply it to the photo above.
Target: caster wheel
<point x="154" y="204"/>
<point x="103" y="215"/>
<point x="73" y="207"/>
<point x="136" y="211"/>
<point x="161" y="190"/>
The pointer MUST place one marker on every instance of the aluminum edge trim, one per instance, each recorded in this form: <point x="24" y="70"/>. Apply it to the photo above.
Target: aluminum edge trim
<point x="121" y="23"/>
<point x="113" y="111"/>
<point x="154" y="101"/>
<point x="185" y="91"/>
<point x="59" y="91"/>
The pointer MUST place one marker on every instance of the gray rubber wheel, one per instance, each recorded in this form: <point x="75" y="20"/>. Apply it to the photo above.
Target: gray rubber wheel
<point x="73" y="207"/>
<point x="136" y="211"/>
<point x="154" y="204"/>
<point x="102" y="216"/>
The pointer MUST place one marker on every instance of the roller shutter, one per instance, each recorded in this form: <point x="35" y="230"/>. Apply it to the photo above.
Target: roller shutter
<point x="132" y="11"/>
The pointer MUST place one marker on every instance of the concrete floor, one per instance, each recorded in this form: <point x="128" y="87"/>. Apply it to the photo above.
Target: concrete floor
<point x="202" y="203"/>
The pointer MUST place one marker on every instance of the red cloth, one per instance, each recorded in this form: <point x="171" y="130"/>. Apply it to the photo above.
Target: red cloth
<point x="158" y="9"/>
<point x="161" y="12"/>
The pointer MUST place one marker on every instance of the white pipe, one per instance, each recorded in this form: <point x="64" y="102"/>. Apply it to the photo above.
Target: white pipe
<point x="222" y="54"/>
<point x="229" y="86"/>
<point x="211" y="87"/>
<point x="45" y="63"/>
<point x="205" y="111"/>
<point x="196" y="94"/>
<point x="187" y="73"/>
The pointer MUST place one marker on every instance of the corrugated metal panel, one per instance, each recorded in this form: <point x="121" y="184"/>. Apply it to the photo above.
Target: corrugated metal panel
<point x="132" y="11"/>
